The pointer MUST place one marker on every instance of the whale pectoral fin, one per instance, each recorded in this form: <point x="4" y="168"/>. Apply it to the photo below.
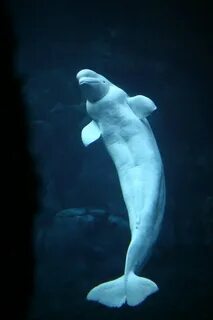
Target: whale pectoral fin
<point x="111" y="294"/>
<point x="141" y="106"/>
<point x="90" y="133"/>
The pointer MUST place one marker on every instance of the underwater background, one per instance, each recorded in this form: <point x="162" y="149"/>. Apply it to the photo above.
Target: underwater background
<point x="78" y="233"/>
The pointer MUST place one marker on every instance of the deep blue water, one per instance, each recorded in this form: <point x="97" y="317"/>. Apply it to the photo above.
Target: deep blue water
<point x="80" y="234"/>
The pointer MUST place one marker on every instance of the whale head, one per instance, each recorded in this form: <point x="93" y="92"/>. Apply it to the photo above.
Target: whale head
<point x="93" y="85"/>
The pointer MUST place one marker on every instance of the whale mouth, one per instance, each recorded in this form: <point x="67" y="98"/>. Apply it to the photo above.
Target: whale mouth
<point x="87" y="81"/>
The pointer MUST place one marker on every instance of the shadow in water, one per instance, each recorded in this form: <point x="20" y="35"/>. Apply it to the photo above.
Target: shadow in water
<point x="19" y="200"/>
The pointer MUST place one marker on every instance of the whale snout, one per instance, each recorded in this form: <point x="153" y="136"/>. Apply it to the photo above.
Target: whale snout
<point x="86" y="73"/>
<point x="87" y="77"/>
<point x="94" y="86"/>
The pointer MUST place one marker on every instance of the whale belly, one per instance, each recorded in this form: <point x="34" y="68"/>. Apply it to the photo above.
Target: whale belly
<point x="135" y="154"/>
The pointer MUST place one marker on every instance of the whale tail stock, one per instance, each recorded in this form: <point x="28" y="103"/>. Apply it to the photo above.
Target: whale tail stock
<point x="130" y="289"/>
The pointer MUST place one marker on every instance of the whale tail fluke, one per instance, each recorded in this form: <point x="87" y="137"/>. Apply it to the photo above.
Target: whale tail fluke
<point x="132" y="290"/>
<point x="138" y="289"/>
<point x="111" y="294"/>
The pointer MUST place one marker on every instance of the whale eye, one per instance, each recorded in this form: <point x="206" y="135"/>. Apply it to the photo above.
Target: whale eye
<point x="104" y="81"/>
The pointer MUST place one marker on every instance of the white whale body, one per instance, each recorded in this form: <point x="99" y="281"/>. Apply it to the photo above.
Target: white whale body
<point x="121" y="122"/>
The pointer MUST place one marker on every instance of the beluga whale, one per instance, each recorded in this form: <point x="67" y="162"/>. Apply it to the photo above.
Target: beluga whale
<point x="121" y="122"/>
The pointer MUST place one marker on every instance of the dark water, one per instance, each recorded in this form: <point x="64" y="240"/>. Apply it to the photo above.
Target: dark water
<point x="66" y="220"/>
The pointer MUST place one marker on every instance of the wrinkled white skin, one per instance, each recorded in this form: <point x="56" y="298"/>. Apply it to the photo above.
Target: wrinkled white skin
<point x="133" y="149"/>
